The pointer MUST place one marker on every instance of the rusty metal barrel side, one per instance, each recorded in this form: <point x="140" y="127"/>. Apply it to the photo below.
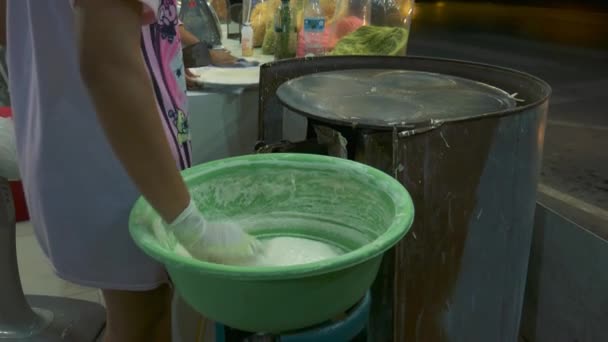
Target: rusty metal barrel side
<point x="460" y="274"/>
<point x="480" y="213"/>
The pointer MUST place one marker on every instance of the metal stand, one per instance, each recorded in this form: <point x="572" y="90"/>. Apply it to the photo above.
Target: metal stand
<point x="37" y="318"/>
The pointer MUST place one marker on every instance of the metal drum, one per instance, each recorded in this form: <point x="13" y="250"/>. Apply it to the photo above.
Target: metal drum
<point x="471" y="167"/>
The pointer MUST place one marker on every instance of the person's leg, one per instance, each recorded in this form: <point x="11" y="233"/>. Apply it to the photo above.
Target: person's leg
<point x="138" y="316"/>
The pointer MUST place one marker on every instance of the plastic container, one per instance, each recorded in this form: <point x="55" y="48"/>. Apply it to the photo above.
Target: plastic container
<point x="352" y="206"/>
<point x="393" y="13"/>
<point x="328" y="8"/>
<point x="247" y="40"/>
<point x="247" y="30"/>
<point x="388" y="24"/>
<point x="285" y="32"/>
<point x="262" y="17"/>
<point x="313" y="29"/>
<point x="348" y="17"/>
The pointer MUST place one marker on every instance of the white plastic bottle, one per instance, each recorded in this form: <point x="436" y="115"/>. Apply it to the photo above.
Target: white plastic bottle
<point x="314" y="28"/>
<point x="247" y="40"/>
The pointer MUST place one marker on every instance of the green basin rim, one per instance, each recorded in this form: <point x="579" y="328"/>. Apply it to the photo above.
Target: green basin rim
<point x="404" y="216"/>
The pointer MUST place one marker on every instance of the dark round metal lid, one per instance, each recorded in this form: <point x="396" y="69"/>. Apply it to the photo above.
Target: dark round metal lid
<point x="389" y="98"/>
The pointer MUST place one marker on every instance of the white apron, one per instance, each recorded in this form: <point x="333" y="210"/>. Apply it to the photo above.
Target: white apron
<point x="78" y="194"/>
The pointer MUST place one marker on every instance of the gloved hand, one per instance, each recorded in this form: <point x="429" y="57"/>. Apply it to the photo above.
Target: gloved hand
<point x="211" y="241"/>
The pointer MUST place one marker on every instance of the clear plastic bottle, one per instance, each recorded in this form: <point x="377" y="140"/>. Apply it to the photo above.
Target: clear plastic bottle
<point x="247" y="40"/>
<point x="314" y="29"/>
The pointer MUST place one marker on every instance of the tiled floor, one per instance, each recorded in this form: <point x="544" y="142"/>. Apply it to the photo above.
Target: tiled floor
<point x="37" y="276"/>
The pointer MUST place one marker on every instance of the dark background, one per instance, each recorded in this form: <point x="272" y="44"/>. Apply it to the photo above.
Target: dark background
<point x="565" y="43"/>
<point x="601" y="5"/>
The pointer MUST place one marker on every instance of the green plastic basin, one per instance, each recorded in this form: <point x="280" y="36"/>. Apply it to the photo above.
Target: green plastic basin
<point x="352" y="206"/>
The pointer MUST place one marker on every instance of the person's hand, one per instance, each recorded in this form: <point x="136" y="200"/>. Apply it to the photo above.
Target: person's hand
<point x="191" y="79"/>
<point x="221" y="57"/>
<point x="210" y="241"/>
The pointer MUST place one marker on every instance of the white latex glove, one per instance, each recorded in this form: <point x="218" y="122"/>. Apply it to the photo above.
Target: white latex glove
<point x="212" y="241"/>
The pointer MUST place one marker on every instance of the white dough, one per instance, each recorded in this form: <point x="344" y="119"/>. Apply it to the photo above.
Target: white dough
<point x="285" y="251"/>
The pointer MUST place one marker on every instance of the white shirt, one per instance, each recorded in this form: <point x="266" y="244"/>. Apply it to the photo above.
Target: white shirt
<point x="78" y="194"/>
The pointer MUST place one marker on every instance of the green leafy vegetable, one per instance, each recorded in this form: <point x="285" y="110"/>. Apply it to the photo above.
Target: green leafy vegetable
<point x="373" y="41"/>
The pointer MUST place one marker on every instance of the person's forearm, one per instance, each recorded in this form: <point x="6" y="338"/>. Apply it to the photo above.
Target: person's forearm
<point x="121" y="89"/>
<point x="187" y="37"/>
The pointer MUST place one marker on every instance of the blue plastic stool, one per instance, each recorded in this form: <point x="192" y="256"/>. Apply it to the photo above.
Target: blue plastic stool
<point x="342" y="331"/>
